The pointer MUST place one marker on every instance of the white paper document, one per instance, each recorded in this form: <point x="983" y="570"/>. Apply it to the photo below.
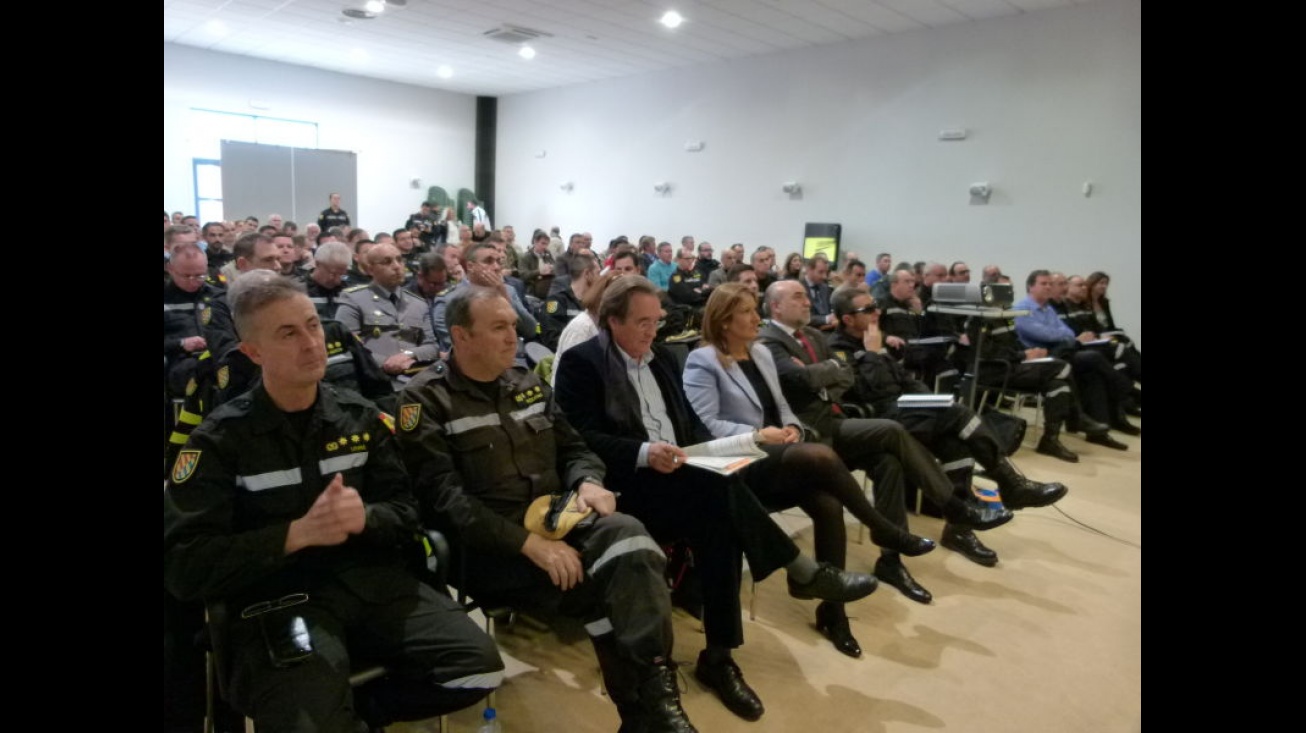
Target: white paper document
<point x="725" y="455"/>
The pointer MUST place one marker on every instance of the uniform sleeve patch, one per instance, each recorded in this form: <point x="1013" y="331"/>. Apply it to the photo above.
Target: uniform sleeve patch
<point x="184" y="468"/>
<point x="409" y="415"/>
<point x="224" y="376"/>
<point x="551" y="307"/>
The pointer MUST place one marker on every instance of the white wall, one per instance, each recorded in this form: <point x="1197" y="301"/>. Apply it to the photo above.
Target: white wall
<point x="1051" y="99"/>
<point x="399" y="132"/>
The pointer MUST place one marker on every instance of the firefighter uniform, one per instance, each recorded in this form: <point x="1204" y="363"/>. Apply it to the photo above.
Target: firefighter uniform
<point x="245" y="474"/>
<point x="482" y="452"/>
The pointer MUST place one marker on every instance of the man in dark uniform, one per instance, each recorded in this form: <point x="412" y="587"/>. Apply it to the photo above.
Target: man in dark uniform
<point x="187" y="310"/>
<point x="326" y="280"/>
<point x="705" y="264"/>
<point x="333" y="215"/>
<point x="813" y="382"/>
<point x="394" y="324"/>
<point x="565" y="304"/>
<point x="954" y="434"/>
<point x="687" y="286"/>
<point x="290" y="506"/>
<point x="623" y="392"/>
<point x="425" y="222"/>
<point x="486" y="439"/>
<point x="908" y="330"/>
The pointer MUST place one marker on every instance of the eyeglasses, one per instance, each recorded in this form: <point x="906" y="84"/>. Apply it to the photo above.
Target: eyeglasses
<point x="192" y="277"/>
<point x="962" y="272"/>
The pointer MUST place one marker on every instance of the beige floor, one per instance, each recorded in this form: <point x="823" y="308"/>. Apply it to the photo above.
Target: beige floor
<point x="1049" y="641"/>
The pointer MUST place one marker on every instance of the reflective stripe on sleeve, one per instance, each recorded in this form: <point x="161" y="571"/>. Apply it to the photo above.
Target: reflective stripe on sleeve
<point x="178" y="307"/>
<point x="959" y="463"/>
<point x="970" y="427"/>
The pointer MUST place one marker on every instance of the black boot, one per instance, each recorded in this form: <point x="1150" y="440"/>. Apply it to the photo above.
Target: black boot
<point x="961" y="539"/>
<point x="1018" y="492"/>
<point x="621" y="679"/>
<point x="969" y="514"/>
<point x="1050" y="443"/>
<point x="659" y="702"/>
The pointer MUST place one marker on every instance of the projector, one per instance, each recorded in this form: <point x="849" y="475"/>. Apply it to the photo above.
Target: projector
<point x="992" y="295"/>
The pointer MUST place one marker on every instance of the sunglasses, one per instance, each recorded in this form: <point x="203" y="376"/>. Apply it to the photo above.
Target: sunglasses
<point x="866" y="309"/>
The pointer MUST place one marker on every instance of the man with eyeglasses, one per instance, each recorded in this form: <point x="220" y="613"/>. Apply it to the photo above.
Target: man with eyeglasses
<point x="959" y="272"/>
<point x="687" y="285"/>
<point x="187" y="299"/>
<point x="483" y="265"/>
<point x="954" y="434"/>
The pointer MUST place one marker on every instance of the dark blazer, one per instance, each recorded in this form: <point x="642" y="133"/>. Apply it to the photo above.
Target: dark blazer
<point x="600" y="402"/>
<point x="814" y="386"/>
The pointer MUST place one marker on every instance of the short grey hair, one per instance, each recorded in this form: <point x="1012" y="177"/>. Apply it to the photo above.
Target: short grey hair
<point x="334" y="253"/>
<point x="616" y="299"/>
<point x="253" y="291"/>
<point x="459" y="310"/>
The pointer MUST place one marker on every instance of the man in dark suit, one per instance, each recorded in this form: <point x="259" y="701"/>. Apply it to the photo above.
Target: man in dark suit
<point x="624" y="395"/>
<point x="813" y="381"/>
<point x="815" y="277"/>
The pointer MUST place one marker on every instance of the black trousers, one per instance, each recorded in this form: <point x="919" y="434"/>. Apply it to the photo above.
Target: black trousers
<point x="439" y="660"/>
<point x="890" y="456"/>
<point x="1051" y="378"/>
<point x="722" y="520"/>
<point x="624" y="592"/>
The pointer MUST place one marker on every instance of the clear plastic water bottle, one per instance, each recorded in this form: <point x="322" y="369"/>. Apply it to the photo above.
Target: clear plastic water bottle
<point x="489" y="722"/>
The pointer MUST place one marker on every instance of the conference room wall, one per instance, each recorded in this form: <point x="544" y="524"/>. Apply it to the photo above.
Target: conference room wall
<point x="1051" y="99"/>
<point x="399" y="131"/>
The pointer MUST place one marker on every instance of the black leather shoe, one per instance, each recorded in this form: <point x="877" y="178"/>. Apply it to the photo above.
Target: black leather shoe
<point x="1025" y="494"/>
<point x="725" y="679"/>
<point x="832" y="584"/>
<point x="1053" y="447"/>
<point x="895" y="574"/>
<point x="1088" y="426"/>
<point x="903" y="542"/>
<point x="659" y="702"/>
<point x="971" y="514"/>
<point x="833" y="622"/>
<point x="1106" y="440"/>
<point x="1126" y="427"/>
<point x="960" y="539"/>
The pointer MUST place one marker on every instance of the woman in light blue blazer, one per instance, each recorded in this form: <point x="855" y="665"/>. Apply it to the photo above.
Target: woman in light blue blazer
<point x="732" y="383"/>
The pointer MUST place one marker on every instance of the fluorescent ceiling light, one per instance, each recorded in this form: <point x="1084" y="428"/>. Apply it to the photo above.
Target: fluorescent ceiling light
<point x="443" y="71"/>
<point x="374" y="6"/>
<point x="358" y="54"/>
<point x="526" y="52"/>
<point x="671" y="19"/>
<point x="216" y="27"/>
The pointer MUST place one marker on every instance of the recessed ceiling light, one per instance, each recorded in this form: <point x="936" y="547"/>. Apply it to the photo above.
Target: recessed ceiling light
<point x="526" y="52"/>
<point x="358" y="54"/>
<point x="374" y="6"/>
<point x="671" y="19"/>
<point x="443" y="71"/>
<point x="216" y="27"/>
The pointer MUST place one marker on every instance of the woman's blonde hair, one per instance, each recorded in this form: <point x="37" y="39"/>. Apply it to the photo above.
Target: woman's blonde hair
<point x="721" y="306"/>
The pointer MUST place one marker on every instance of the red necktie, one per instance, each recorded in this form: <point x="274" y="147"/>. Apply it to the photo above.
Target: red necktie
<point x="834" y="407"/>
<point x="806" y="345"/>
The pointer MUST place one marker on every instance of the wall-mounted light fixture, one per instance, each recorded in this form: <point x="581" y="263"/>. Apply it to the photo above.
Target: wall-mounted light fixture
<point x="662" y="187"/>
<point x="980" y="192"/>
<point x="567" y="186"/>
<point x="793" y="188"/>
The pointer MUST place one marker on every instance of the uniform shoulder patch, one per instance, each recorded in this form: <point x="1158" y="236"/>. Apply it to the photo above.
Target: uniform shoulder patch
<point x="184" y="468"/>
<point x="551" y="307"/>
<point x="224" y="376"/>
<point x="190" y="387"/>
<point x="206" y="315"/>
<point x="409" y="415"/>
<point x="841" y="355"/>
<point x="675" y="278"/>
